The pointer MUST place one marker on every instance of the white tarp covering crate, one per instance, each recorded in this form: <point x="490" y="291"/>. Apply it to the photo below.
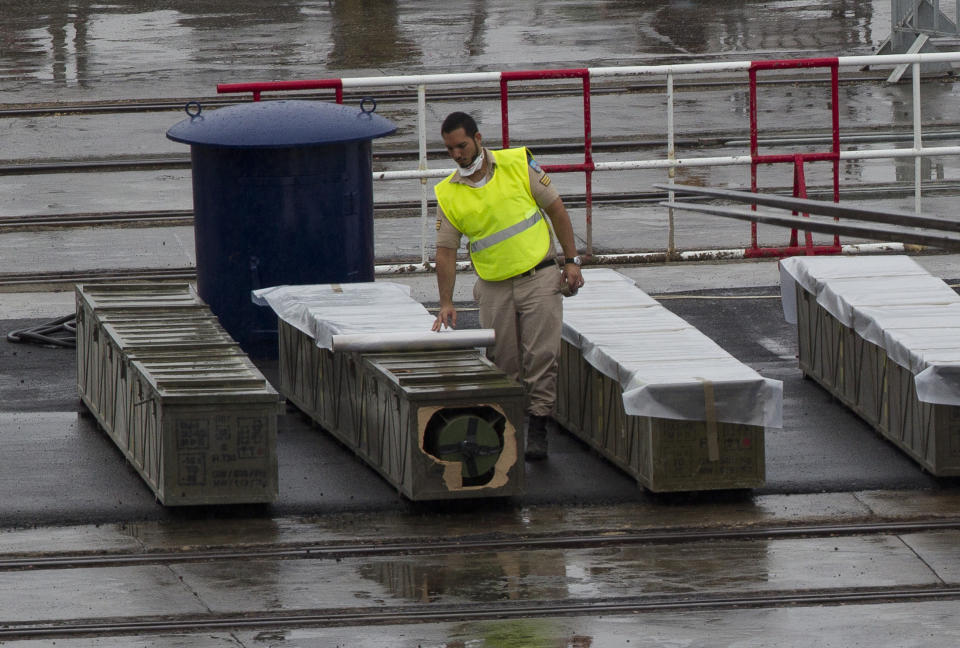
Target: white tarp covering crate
<point x="657" y="397"/>
<point x="883" y="335"/>
<point x="429" y="412"/>
<point x="176" y="394"/>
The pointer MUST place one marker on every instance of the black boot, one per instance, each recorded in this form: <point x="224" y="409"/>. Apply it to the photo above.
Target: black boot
<point x="536" y="438"/>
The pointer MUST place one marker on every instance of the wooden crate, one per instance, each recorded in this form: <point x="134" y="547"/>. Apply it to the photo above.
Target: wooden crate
<point x="96" y="353"/>
<point x="385" y="407"/>
<point x="203" y="430"/>
<point x="879" y="390"/>
<point x="99" y="303"/>
<point x="663" y="455"/>
<point x="159" y="372"/>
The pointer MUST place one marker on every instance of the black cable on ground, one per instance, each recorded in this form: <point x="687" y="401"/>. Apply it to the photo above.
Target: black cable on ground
<point x="61" y="332"/>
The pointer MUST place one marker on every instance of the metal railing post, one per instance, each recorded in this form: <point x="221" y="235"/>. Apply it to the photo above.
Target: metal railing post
<point x="917" y="139"/>
<point x="671" y="171"/>
<point x="422" y="166"/>
<point x="504" y="115"/>
<point x="754" y="148"/>
<point x="588" y="161"/>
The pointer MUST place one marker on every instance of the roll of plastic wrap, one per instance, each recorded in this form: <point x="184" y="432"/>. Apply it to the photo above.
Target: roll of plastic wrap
<point x="407" y="341"/>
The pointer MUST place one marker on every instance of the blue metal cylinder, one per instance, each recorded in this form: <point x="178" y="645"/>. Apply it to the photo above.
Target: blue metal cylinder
<point x="282" y="194"/>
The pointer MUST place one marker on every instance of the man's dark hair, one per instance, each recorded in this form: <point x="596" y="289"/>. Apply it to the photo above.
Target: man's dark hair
<point x="457" y="120"/>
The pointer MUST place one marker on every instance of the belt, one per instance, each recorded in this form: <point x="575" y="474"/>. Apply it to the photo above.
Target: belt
<point x="540" y="266"/>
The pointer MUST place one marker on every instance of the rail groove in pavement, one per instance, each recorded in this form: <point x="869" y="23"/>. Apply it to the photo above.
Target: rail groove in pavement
<point x="407" y="546"/>
<point x="437" y="613"/>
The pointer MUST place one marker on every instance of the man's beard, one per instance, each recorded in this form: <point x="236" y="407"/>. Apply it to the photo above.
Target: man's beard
<point x="475" y="164"/>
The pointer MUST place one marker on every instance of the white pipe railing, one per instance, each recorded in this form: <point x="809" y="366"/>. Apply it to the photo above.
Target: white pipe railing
<point x="917" y="139"/>
<point x="422" y="167"/>
<point x="671" y="162"/>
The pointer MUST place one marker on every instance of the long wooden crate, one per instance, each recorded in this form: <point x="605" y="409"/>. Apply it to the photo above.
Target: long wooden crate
<point x="176" y="394"/>
<point x="861" y="373"/>
<point x="617" y="338"/>
<point x="664" y="455"/>
<point x="880" y="391"/>
<point x="435" y="424"/>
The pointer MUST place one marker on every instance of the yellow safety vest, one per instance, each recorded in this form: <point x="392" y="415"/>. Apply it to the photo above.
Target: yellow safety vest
<point x="506" y="230"/>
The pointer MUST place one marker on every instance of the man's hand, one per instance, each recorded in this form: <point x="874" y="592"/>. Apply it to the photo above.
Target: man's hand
<point x="447" y="317"/>
<point x="446" y="277"/>
<point x="572" y="278"/>
<point x="563" y="228"/>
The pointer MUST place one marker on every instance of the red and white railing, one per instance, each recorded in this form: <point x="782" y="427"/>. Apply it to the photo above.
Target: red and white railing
<point x="669" y="162"/>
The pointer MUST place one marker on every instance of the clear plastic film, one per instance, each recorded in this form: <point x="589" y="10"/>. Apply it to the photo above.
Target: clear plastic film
<point x="895" y="304"/>
<point x="363" y="317"/>
<point x="873" y="323"/>
<point x="661" y="361"/>
<point x="840" y="297"/>
<point x="812" y="274"/>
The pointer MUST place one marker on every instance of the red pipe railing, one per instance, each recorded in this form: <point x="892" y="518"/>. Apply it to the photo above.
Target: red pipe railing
<point x="256" y="88"/>
<point x="587" y="167"/>
<point x="797" y="159"/>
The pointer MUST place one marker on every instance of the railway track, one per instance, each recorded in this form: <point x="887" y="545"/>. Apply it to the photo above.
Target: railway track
<point x="560" y="88"/>
<point x="429" y="546"/>
<point x="434" y="613"/>
<point x="469" y="550"/>
<point x="52" y="280"/>
<point x="121" y="164"/>
<point x="406" y="153"/>
<point x="29" y="280"/>
<point x="411" y="208"/>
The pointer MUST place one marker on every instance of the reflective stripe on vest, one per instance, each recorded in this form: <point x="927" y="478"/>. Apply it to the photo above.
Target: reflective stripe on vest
<point x="504" y="234"/>
<point x="507" y="233"/>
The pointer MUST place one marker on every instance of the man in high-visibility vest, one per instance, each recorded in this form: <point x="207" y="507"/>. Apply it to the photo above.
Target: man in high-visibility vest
<point x="498" y="199"/>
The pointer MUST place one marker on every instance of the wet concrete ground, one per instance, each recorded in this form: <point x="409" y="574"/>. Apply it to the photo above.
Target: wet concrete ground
<point x="127" y="49"/>
<point x="465" y="579"/>
<point x="64" y="489"/>
<point x="822" y="447"/>
<point x="329" y="497"/>
<point x="67" y="52"/>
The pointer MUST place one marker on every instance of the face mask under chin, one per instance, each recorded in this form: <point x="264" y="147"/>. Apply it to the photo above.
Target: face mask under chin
<point x="474" y="166"/>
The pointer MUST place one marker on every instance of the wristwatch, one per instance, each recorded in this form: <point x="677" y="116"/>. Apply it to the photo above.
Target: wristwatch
<point x="577" y="260"/>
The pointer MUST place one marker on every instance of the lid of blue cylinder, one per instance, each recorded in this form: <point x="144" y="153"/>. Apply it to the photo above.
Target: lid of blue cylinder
<point x="279" y="124"/>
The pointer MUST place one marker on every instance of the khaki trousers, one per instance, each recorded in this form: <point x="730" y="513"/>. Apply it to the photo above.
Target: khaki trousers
<point x="526" y="314"/>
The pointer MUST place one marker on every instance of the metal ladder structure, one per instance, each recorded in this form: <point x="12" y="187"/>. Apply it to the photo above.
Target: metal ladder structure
<point x="912" y="25"/>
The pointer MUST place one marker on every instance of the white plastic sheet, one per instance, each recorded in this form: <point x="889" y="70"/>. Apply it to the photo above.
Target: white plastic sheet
<point x="813" y="273"/>
<point x="360" y="313"/>
<point x="664" y="364"/>
<point x="891" y="302"/>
